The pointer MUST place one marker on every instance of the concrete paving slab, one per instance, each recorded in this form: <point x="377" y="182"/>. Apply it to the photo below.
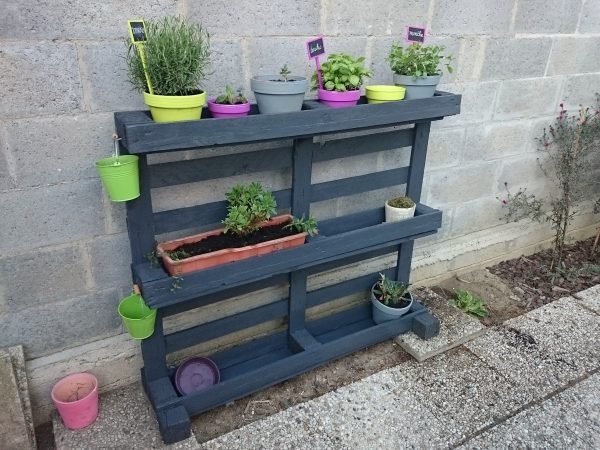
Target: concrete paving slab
<point x="461" y="391"/>
<point x="13" y="430"/>
<point x="126" y="421"/>
<point x="590" y="298"/>
<point x="456" y="328"/>
<point x="17" y="358"/>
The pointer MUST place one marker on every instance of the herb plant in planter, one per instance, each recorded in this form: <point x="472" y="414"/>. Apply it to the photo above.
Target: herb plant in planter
<point x="342" y="75"/>
<point x="229" y="105"/>
<point x="177" y="56"/>
<point x="279" y="94"/>
<point x="417" y="68"/>
<point x="250" y="229"/>
<point x="389" y="299"/>
<point x="399" y="208"/>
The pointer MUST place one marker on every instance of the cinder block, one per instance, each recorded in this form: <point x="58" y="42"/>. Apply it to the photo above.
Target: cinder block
<point x="56" y="149"/>
<point x="590" y="17"/>
<point x="51" y="327"/>
<point x="257" y="18"/>
<point x="515" y="58"/>
<point x="30" y="19"/>
<point x="6" y="179"/>
<point x="110" y="257"/>
<point x="442" y="186"/>
<point x="469" y="62"/>
<point x="41" y="276"/>
<point x="523" y="171"/>
<point x="547" y="16"/>
<point x="41" y="78"/>
<point x="227" y="68"/>
<point x="574" y="55"/>
<point x="50" y="215"/>
<point x="471" y="17"/>
<point x="268" y="54"/>
<point x="496" y="140"/>
<point x="476" y="215"/>
<point x="477" y="102"/>
<point x="581" y="90"/>
<point x="372" y="17"/>
<point x="527" y="98"/>
<point x="445" y="147"/>
<point x="104" y="70"/>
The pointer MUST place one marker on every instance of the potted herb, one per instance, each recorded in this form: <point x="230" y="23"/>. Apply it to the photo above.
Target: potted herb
<point x="279" y="94"/>
<point x="229" y="105"/>
<point x="417" y="68"/>
<point x="389" y="299"/>
<point x="250" y="229"/>
<point x="176" y="54"/>
<point x="342" y="76"/>
<point x="399" y="208"/>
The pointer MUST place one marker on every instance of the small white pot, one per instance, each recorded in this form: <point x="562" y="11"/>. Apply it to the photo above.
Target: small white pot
<point x="396" y="214"/>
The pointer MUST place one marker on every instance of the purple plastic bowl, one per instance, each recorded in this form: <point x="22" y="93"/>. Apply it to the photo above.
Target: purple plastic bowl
<point x="196" y="374"/>
<point x="336" y="99"/>
<point x="219" y="111"/>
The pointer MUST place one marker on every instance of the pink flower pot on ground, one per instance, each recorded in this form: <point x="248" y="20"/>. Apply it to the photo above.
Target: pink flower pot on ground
<point x="336" y="99"/>
<point x="220" y="111"/>
<point x="76" y="399"/>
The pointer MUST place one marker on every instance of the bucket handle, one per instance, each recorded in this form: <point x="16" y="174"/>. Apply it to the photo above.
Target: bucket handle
<point x="116" y="154"/>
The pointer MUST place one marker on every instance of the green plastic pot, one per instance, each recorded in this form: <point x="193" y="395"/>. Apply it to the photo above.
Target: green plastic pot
<point x="120" y="177"/>
<point x="137" y="317"/>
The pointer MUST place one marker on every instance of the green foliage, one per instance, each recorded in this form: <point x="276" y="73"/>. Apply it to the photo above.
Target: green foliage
<point x="401" y="202"/>
<point x="176" y="283"/>
<point x="284" y="73"/>
<point x="569" y="146"/>
<point x="418" y="60"/>
<point x="389" y="292"/>
<point x="248" y="206"/>
<point x="469" y="303"/>
<point x="177" y="255"/>
<point x="342" y="72"/>
<point x="177" y="55"/>
<point x="229" y="98"/>
<point x="301" y="225"/>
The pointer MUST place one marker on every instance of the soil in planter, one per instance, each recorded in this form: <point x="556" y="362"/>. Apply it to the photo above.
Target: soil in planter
<point x="231" y="240"/>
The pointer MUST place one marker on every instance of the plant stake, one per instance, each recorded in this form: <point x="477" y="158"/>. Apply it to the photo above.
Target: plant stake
<point x="137" y="33"/>
<point x="316" y="47"/>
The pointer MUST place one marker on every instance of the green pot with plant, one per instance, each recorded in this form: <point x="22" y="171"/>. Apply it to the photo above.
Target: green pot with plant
<point x="390" y="299"/>
<point x="229" y="105"/>
<point x="279" y="93"/>
<point x="251" y="228"/>
<point x="175" y="58"/>
<point x="342" y="76"/>
<point x="418" y="68"/>
<point x="399" y="208"/>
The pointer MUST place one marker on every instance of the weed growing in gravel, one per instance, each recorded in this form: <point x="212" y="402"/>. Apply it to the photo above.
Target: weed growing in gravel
<point x="470" y="303"/>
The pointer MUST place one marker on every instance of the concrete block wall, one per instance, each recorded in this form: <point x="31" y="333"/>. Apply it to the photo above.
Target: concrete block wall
<point x="63" y="247"/>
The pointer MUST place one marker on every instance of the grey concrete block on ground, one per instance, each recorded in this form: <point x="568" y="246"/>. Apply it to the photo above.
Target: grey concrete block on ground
<point x="547" y="16"/>
<point x="515" y="58"/>
<point x="42" y="78"/>
<point x="262" y="18"/>
<point x="590" y="298"/>
<point x="13" y="429"/>
<point x="57" y="149"/>
<point x="41" y="276"/>
<point x="50" y="215"/>
<point x="471" y="17"/>
<point x="126" y="420"/>
<point x="528" y="98"/>
<point x="456" y="328"/>
<point x="573" y="55"/>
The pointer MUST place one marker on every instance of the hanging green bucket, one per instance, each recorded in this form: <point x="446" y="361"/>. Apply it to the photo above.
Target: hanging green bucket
<point x="137" y="317"/>
<point x="119" y="175"/>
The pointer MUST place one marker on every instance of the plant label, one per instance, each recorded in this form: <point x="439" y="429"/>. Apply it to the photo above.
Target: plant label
<point x="315" y="47"/>
<point x="137" y="30"/>
<point x="415" y="34"/>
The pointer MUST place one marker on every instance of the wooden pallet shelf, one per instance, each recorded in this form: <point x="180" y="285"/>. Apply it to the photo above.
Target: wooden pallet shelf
<point x="343" y="240"/>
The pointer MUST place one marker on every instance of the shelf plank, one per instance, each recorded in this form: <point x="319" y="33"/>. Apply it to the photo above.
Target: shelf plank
<point x="141" y="135"/>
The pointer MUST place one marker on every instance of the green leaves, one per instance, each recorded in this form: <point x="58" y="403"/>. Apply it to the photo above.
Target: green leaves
<point x="284" y="72"/>
<point x="229" y="98"/>
<point x="389" y="292"/>
<point x="301" y="225"/>
<point x="469" y="303"/>
<point x="249" y="205"/>
<point x="342" y="72"/>
<point x="177" y="55"/>
<point x="418" y="60"/>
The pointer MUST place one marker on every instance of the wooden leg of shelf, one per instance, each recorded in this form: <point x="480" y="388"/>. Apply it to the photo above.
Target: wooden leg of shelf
<point x="426" y="325"/>
<point x="303" y="340"/>
<point x="174" y="424"/>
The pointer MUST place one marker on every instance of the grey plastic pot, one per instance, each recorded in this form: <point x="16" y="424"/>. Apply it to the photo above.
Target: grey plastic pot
<point x="383" y="313"/>
<point x="273" y="96"/>
<point x="417" y="87"/>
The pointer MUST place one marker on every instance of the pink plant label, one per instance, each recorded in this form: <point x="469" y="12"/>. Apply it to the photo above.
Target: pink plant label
<point x="315" y="47"/>
<point x="415" y="35"/>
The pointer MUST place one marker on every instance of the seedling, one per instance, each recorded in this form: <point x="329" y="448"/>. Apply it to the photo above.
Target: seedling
<point x="284" y="73"/>
<point x="470" y="304"/>
<point x="249" y="205"/>
<point x="231" y="98"/>
<point x="302" y="225"/>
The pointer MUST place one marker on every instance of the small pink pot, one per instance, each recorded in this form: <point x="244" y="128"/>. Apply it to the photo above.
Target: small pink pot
<point x="336" y="99"/>
<point x="76" y="399"/>
<point x="220" y="111"/>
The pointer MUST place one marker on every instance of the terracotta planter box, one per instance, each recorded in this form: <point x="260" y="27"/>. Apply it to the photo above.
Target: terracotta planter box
<point x="226" y="255"/>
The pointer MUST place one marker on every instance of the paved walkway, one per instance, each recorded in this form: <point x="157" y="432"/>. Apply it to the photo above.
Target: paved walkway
<point x="532" y="383"/>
